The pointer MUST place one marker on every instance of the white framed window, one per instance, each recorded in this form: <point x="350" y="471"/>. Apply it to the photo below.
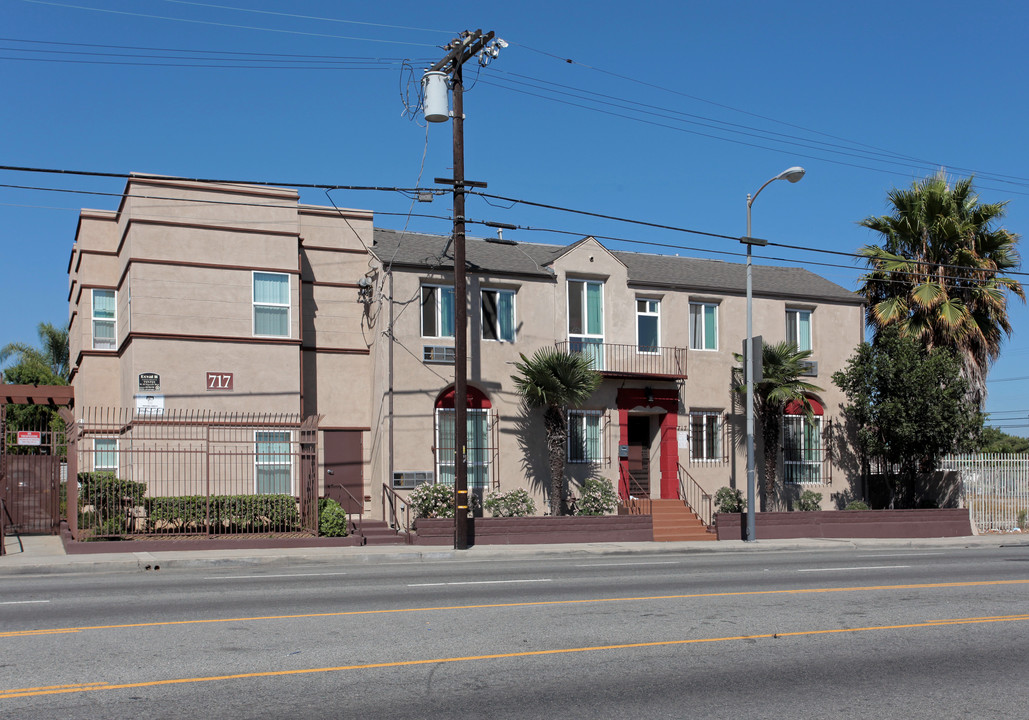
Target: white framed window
<point x="105" y="455"/>
<point x="479" y="452"/>
<point x="437" y="311"/>
<point x="706" y="435"/>
<point x="498" y="315"/>
<point x="105" y="319"/>
<point x="801" y="449"/>
<point x="273" y="462"/>
<point x="586" y="320"/>
<point x="585" y="436"/>
<point x="648" y="325"/>
<point x="703" y="326"/>
<point x="798" y="328"/>
<point x="271" y="304"/>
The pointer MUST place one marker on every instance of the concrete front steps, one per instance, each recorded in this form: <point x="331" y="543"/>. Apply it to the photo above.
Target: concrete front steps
<point x="376" y="532"/>
<point x="674" y="521"/>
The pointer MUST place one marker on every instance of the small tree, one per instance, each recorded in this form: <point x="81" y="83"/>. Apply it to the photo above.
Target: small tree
<point x="910" y="408"/>
<point x="782" y="365"/>
<point x="554" y="380"/>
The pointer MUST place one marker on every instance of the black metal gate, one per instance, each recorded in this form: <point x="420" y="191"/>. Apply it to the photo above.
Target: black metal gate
<point x="30" y="478"/>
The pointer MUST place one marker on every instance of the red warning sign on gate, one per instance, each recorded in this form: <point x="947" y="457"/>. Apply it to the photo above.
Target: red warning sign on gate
<point x="30" y="437"/>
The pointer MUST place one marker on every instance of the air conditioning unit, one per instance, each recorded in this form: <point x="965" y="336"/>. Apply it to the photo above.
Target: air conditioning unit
<point x="438" y="354"/>
<point x="408" y="480"/>
<point x="809" y="368"/>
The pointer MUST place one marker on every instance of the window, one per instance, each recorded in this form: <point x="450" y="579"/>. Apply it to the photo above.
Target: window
<point x="437" y="311"/>
<point x="477" y="425"/>
<point x="271" y="304"/>
<point x="105" y="455"/>
<point x="802" y="449"/>
<point x="498" y="315"/>
<point x="706" y="436"/>
<point x="703" y="326"/>
<point x="273" y="462"/>
<point x="647" y="325"/>
<point x="585" y="439"/>
<point x="586" y="320"/>
<point x="798" y="328"/>
<point x="105" y="336"/>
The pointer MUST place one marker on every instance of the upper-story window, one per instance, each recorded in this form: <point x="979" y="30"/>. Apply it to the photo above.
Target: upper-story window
<point x="105" y="322"/>
<point x="271" y="304"/>
<point x="798" y="328"/>
<point x="703" y="326"/>
<point x="586" y="319"/>
<point x="498" y="315"/>
<point x="437" y="311"/>
<point x="648" y="326"/>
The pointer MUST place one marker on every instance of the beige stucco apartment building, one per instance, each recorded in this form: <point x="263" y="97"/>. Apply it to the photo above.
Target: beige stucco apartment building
<point x="238" y="298"/>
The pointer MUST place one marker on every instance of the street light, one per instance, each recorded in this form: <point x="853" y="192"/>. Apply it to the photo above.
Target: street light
<point x="792" y="174"/>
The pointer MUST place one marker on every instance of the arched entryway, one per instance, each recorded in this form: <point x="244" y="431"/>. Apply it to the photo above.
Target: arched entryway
<point x="646" y="415"/>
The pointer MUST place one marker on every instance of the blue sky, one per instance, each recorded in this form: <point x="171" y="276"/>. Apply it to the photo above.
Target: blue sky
<point x="668" y="112"/>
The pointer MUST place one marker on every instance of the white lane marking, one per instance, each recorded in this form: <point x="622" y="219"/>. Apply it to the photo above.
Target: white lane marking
<point x="660" y="562"/>
<point x="23" y="602"/>
<point x="250" y="577"/>
<point x="900" y="555"/>
<point x="869" y="567"/>
<point x="478" y="582"/>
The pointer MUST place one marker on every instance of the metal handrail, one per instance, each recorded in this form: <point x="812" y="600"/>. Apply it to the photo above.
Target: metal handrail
<point x="394" y="499"/>
<point x="359" y="527"/>
<point x="691" y="493"/>
<point x="621" y="359"/>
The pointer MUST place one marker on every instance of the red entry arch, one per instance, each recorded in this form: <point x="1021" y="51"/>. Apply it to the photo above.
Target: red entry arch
<point x="477" y="399"/>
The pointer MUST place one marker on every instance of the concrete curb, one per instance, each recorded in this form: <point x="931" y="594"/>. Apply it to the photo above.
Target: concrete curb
<point x="41" y="557"/>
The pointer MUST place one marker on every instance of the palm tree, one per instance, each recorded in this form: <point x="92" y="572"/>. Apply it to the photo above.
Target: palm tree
<point x="47" y="364"/>
<point x="781" y="367"/>
<point x="938" y="275"/>
<point x="554" y="380"/>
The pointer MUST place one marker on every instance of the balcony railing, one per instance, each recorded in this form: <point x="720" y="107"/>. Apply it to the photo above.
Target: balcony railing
<point x="620" y="360"/>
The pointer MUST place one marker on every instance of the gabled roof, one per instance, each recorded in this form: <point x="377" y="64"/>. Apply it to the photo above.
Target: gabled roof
<point x="435" y="252"/>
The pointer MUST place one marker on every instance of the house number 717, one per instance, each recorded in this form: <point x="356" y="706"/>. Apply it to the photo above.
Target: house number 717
<point x="219" y="381"/>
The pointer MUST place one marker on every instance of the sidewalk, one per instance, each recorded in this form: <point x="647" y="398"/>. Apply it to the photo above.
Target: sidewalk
<point x="44" y="554"/>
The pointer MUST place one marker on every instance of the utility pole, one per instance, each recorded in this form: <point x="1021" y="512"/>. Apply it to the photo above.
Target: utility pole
<point x="462" y="49"/>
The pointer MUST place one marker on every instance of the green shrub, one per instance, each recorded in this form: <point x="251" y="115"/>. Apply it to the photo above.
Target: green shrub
<point x="105" y="502"/>
<point x="809" y="501"/>
<point x="432" y="500"/>
<point x="597" y="497"/>
<point x="1022" y="514"/>
<point x="728" y="500"/>
<point x="228" y="513"/>
<point x="857" y="505"/>
<point x="516" y="503"/>
<point x="332" y="518"/>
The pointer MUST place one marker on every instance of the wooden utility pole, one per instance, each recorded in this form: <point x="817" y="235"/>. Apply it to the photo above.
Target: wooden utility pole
<point x="460" y="51"/>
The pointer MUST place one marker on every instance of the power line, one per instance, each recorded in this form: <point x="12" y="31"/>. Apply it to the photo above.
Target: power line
<point x="226" y="25"/>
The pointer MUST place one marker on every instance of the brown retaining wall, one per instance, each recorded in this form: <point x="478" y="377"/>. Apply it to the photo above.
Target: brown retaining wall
<point x="848" y="524"/>
<point x="537" y="530"/>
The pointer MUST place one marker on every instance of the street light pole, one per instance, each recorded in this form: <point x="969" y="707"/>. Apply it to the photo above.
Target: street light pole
<point x="792" y="174"/>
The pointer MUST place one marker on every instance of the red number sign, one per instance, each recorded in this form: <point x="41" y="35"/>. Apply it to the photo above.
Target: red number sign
<point x="219" y="381"/>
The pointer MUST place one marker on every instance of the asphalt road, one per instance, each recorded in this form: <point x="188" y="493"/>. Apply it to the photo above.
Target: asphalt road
<point x="828" y="634"/>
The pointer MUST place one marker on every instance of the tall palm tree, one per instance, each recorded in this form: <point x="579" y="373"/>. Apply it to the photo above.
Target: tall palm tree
<point x="554" y="380"/>
<point x="46" y="364"/>
<point x="938" y="274"/>
<point x="781" y="367"/>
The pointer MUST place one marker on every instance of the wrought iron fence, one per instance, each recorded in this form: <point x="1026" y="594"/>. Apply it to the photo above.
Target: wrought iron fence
<point x="191" y="473"/>
<point x="995" y="488"/>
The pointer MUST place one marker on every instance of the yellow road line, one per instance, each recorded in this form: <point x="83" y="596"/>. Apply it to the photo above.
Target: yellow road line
<point x="92" y="687"/>
<point x="539" y="603"/>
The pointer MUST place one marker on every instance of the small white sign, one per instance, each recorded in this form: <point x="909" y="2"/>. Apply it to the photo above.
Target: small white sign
<point x="684" y="439"/>
<point x="150" y="404"/>
<point x="30" y="437"/>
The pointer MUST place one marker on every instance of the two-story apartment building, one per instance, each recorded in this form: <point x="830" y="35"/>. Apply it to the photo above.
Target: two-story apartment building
<point x="240" y="299"/>
<point x="662" y="330"/>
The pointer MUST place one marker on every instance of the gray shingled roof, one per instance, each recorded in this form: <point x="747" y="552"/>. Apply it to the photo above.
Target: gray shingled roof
<point x="418" y="250"/>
